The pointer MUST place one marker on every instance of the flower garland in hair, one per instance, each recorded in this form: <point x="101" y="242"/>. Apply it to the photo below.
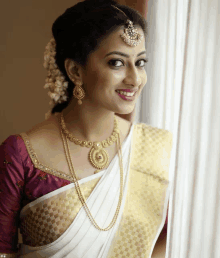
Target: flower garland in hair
<point x="55" y="80"/>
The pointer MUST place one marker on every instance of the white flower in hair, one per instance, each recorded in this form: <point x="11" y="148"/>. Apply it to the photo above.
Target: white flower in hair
<point x="55" y="80"/>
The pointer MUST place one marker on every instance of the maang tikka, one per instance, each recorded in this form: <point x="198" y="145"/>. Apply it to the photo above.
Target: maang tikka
<point x="130" y="35"/>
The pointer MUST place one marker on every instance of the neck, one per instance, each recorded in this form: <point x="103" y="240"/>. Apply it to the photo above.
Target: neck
<point x="88" y="123"/>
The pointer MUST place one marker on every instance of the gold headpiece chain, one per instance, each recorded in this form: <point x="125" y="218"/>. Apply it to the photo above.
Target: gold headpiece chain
<point x="78" y="190"/>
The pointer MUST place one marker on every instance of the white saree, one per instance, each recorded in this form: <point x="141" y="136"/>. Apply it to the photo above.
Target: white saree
<point x="67" y="229"/>
<point x="82" y="239"/>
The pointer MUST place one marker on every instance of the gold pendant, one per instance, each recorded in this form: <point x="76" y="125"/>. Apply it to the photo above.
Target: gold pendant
<point x="98" y="156"/>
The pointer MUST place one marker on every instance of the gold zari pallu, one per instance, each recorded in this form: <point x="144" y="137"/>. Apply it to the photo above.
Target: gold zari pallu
<point x="147" y="199"/>
<point x="145" y="207"/>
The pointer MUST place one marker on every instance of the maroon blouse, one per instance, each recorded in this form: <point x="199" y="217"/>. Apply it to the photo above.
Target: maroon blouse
<point x="20" y="184"/>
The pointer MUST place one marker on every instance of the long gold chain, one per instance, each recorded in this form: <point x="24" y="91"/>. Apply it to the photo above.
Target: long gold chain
<point x="78" y="190"/>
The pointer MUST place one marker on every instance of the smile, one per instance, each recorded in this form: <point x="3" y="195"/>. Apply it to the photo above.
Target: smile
<point x="126" y="96"/>
<point x="129" y="94"/>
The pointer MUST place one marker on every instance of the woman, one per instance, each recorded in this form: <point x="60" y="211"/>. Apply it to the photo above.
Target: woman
<point x="86" y="182"/>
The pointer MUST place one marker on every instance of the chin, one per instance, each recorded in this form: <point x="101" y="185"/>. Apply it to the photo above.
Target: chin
<point x="125" y="112"/>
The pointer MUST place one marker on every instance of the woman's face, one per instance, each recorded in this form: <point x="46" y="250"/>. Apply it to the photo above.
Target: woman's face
<point x="107" y="72"/>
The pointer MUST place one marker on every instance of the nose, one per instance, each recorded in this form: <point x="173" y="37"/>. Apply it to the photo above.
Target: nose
<point x="133" y="76"/>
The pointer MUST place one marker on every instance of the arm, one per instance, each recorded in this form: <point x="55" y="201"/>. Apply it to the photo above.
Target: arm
<point x="11" y="190"/>
<point x="160" y="247"/>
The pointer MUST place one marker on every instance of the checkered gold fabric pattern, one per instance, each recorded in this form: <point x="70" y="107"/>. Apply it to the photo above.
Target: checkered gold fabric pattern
<point x="46" y="221"/>
<point x="148" y="182"/>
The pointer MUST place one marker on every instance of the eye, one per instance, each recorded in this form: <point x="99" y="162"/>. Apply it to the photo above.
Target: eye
<point x="144" y="61"/>
<point x="113" y="62"/>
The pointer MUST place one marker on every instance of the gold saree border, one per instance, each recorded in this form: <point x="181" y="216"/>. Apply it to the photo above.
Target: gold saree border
<point x="47" y="220"/>
<point x="38" y="164"/>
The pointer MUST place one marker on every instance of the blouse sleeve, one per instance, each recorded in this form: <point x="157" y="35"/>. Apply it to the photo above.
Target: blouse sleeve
<point x="11" y="191"/>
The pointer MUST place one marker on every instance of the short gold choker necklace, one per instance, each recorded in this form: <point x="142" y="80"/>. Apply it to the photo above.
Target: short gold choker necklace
<point x="98" y="157"/>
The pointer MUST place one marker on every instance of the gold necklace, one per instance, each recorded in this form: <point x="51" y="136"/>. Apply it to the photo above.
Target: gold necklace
<point x="78" y="190"/>
<point x="98" y="157"/>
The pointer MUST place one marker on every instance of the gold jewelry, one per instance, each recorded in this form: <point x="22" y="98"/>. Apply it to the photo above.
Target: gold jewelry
<point x="130" y="35"/>
<point x="78" y="190"/>
<point x="98" y="157"/>
<point x="78" y="92"/>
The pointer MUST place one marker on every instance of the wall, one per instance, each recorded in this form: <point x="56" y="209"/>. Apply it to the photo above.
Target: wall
<point x="25" y="31"/>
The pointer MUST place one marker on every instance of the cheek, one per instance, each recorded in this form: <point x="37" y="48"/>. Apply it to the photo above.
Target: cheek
<point x="144" y="79"/>
<point x="103" y="81"/>
<point x="98" y="84"/>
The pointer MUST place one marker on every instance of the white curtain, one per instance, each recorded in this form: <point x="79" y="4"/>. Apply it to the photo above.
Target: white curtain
<point x="182" y="95"/>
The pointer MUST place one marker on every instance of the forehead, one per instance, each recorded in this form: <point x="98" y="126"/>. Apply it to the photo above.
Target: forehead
<point x="114" y="42"/>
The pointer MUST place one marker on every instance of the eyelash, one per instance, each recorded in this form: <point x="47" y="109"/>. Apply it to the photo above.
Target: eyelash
<point x="115" y="60"/>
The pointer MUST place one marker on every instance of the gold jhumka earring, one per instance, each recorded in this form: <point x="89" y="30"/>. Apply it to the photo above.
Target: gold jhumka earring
<point x="78" y="92"/>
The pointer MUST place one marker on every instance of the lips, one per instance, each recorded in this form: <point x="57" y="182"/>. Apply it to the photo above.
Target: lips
<point x="128" y="90"/>
<point x="127" y="98"/>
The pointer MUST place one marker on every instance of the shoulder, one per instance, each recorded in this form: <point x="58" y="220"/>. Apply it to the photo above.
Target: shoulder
<point x="11" y="140"/>
<point x="44" y="132"/>
<point x="12" y="145"/>
<point x="12" y="156"/>
<point x="15" y="147"/>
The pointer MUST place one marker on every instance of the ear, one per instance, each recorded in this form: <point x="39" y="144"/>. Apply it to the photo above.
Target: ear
<point x="73" y="70"/>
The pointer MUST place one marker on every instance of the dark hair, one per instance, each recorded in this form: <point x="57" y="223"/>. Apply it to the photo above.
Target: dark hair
<point x="80" y="29"/>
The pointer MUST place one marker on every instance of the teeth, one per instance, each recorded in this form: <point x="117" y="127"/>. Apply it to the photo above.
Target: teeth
<point x="129" y="94"/>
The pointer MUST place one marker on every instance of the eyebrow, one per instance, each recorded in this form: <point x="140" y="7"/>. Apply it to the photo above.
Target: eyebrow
<point x="123" y="54"/>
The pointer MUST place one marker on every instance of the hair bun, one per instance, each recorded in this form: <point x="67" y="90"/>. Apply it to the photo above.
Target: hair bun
<point x="101" y="2"/>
